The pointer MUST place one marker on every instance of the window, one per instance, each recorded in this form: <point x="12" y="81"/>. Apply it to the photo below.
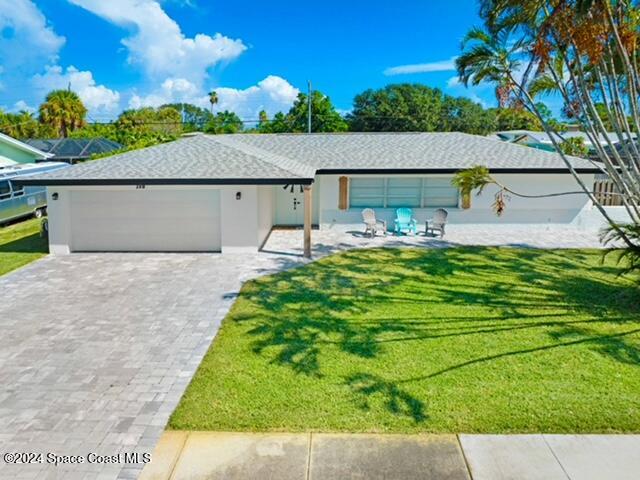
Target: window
<point x="438" y="192"/>
<point x="5" y="190"/>
<point x="367" y="192"/>
<point x="403" y="192"/>
<point x="17" y="191"/>
<point x="395" y="192"/>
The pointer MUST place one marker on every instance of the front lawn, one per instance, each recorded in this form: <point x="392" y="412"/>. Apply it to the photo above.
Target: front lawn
<point x="20" y="244"/>
<point x="411" y="340"/>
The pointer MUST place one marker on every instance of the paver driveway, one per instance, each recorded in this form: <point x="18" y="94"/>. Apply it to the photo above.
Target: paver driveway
<point x="96" y="350"/>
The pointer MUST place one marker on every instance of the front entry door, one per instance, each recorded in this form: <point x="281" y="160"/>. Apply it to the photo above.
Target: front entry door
<point x="289" y="206"/>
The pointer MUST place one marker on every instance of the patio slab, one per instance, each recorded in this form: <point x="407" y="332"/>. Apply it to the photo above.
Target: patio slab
<point x="338" y="238"/>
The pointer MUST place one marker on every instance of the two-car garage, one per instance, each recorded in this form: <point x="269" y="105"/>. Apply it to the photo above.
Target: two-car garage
<point x="159" y="218"/>
<point x="144" y="220"/>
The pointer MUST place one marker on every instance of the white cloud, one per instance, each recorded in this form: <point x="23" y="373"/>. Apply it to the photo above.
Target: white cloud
<point x="21" y="105"/>
<point x="29" y="49"/>
<point x="478" y="93"/>
<point x="272" y="94"/>
<point x="172" y="90"/>
<point x="97" y="98"/>
<point x="157" y="44"/>
<point x="26" y="40"/>
<point x="439" y="66"/>
<point x="454" y="82"/>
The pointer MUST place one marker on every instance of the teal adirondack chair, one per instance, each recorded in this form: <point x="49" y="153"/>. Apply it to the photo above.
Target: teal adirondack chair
<point x="405" y="222"/>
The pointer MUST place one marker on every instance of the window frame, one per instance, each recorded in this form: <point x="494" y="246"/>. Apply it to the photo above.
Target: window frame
<point x="6" y="195"/>
<point x="16" y="191"/>
<point x="423" y="190"/>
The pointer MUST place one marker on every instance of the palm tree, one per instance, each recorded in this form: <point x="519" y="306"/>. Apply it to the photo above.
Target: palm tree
<point x="63" y="111"/>
<point x="488" y="57"/>
<point x="213" y="99"/>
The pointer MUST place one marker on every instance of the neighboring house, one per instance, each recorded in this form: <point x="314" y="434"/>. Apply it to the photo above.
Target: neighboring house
<point x="543" y="141"/>
<point x="13" y="152"/>
<point x="73" y="150"/>
<point x="226" y="192"/>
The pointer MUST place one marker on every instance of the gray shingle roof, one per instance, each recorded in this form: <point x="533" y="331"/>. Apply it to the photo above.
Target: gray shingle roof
<point x="196" y="159"/>
<point x="439" y="150"/>
<point x="253" y="158"/>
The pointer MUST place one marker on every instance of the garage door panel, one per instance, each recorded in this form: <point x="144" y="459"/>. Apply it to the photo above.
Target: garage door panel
<point x="145" y="220"/>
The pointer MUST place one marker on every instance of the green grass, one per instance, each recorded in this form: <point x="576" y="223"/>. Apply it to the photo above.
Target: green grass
<point x="413" y="340"/>
<point x="20" y="244"/>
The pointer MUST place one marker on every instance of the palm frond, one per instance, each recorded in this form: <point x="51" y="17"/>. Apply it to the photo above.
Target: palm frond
<point x="476" y="34"/>
<point x="476" y="177"/>
<point x="627" y="256"/>
<point x="543" y="85"/>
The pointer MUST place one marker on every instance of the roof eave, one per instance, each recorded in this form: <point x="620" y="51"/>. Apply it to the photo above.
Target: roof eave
<point x="25" y="147"/>
<point x="160" y="181"/>
<point x="383" y="171"/>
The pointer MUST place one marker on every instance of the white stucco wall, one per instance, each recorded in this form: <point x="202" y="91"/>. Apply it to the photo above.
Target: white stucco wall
<point x="565" y="209"/>
<point x="266" y="212"/>
<point x="59" y="213"/>
<point x="245" y="223"/>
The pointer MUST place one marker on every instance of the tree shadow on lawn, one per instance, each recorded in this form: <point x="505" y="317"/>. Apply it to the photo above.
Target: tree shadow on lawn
<point x="334" y="303"/>
<point x="30" y="244"/>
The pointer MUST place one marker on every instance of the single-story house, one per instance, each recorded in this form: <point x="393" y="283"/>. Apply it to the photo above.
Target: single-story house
<point x="73" y="150"/>
<point x="13" y="152"/>
<point x="226" y="192"/>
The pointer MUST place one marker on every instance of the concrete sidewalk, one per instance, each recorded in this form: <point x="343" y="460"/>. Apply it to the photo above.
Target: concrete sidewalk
<point x="305" y="456"/>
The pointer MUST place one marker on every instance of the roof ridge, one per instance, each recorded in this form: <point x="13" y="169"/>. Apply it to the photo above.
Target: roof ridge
<point x="280" y="161"/>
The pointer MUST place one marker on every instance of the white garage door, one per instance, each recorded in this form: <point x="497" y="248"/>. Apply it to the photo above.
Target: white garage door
<point x="145" y="220"/>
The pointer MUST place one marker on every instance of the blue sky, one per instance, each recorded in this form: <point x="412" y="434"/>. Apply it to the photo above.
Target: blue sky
<point x="127" y="53"/>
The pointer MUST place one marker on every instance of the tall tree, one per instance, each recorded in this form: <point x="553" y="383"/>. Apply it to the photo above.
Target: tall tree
<point x="213" y="98"/>
<point x="488" y="57"/>
<point x="146" y="126"/>
<point x="64" y="111"/>
<point x="417" y="108"/>
<point x="263" y="118"/>
<point x="463" y="115"/>
<point x="397" y="108"/>
<point x="588" y="49"/>
<point x="278" y="124"/>
<point x="23" y="125"/>
<point x="324" y="117"/>
<point x="516" y="119"/>
<point x="224" y="122"/>
<point x="194" y="118"/>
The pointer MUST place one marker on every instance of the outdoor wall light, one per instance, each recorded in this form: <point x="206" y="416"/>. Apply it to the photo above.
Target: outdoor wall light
<point x="54" y="196"/>
<point x="238" y="195"/>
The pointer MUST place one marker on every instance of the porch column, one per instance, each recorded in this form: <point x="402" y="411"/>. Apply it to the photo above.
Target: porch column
<point x="307" y="221"/>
